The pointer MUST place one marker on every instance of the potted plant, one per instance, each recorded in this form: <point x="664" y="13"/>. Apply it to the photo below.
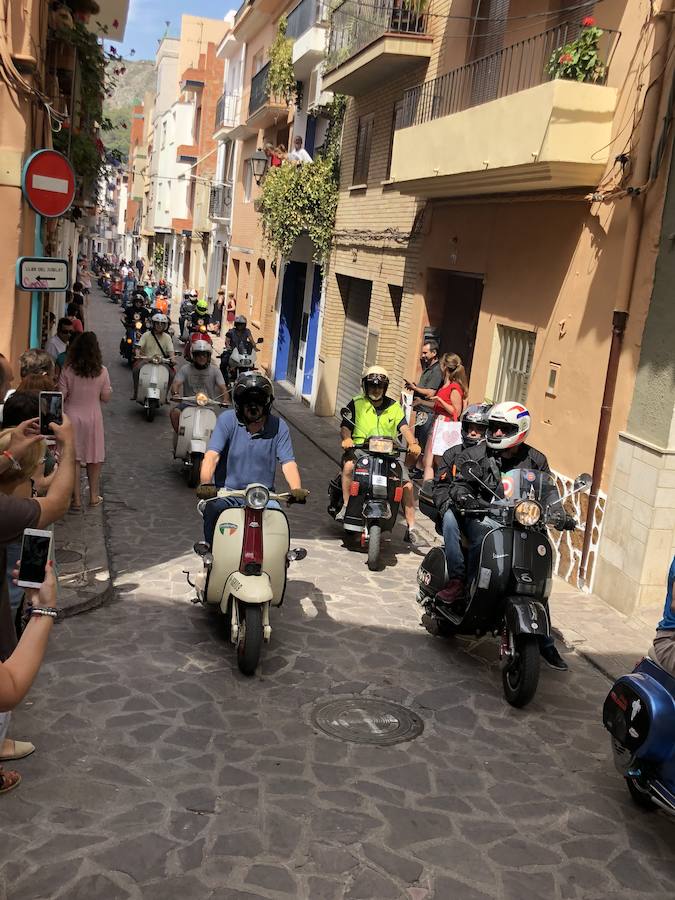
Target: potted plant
<point x="579" y="60"/>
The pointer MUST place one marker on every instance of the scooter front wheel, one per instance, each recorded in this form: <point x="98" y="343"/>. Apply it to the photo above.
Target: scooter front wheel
<point x="194" y="469"/>
<point x="250" y="642"/>
<point x="374" y="539"/>
<point x="150" y="412"/>
<point x="521" y="677"/>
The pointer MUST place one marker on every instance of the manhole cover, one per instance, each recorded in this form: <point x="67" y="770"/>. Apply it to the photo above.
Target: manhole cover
<point x="368" y="721"/>
<point x="68" y="556"/>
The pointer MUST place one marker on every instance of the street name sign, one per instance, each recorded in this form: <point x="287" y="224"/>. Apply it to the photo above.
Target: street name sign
<point x="48" y="183"/>
<point x="41" y="273"/>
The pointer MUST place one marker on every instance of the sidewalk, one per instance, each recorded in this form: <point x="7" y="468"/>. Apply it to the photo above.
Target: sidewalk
<point x="82" y="559"/>
<point x="609" y="640"/>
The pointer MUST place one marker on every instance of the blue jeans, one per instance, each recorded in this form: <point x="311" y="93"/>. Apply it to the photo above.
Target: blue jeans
<point x="213" y="509"/>
<point x="475" y="530"/>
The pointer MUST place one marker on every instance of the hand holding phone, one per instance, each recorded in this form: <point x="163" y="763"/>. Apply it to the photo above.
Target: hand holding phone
<point x="35" y="549"/>
<point x="51" y="411"/>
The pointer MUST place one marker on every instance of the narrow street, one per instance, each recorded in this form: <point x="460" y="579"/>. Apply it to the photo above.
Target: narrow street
<point x="161" y="772"/>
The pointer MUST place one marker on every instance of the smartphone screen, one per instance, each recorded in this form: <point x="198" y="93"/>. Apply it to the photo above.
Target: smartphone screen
<point x="51" y="410"/>
<point x="34" y="558"/>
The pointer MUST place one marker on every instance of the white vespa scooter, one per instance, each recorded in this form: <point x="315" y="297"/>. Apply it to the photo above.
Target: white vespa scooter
<point x="245" y="571"/>
<point x="153" y="384"/>
<point x="195" y="428"/>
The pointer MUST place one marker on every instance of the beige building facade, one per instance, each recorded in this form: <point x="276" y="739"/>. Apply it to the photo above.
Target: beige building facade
<point x="491" y="205"/>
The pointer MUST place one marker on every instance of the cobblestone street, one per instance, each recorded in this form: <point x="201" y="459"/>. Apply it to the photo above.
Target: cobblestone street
<point x="162" y="773"/>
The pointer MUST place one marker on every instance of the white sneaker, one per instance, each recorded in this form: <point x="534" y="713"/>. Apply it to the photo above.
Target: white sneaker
<point x="340" y="517"/>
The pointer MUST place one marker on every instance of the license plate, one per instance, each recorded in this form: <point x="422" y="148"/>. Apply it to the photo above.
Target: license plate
<point x="380" y="480"/>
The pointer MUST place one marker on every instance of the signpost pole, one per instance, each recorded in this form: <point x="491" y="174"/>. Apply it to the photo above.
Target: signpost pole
<point x="35" y="299"/>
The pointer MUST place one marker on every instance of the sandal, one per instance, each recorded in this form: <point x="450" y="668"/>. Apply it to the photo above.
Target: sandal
<point x="19" y="750"/>
<point x="96" y="502"/>
<point x="8" y="780"/>
<point x="75" y="507"/>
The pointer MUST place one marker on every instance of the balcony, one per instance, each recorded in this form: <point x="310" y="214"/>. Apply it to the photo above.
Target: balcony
<point x="220" y="202"/>
<point x="373" y="44"/>
<point x="500" y="125"/>
<point x="263" y="110"/>
<point x="227" y="114"/>
<point x="308" y="27"/>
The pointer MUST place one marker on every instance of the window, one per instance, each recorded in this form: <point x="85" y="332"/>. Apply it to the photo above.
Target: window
<point x="163" y="135"/>
<point x="553" y="372"/>
<point x="364" y="139"/>
<point x="247" y="178"/>
<point x="396" y="296"/>
<point x="396" y="120"/>
<point x="371" y="348"/>
<point x="515" y="351"/>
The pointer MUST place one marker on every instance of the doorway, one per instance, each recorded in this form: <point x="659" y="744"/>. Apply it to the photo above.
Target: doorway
<point x="355" y="294"/>
<point x="453" y="305"/>
<point x="290" y="321"/>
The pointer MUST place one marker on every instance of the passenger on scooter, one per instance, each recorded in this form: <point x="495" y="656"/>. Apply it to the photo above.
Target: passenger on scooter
<point x="155" y="342"/>
<point x="474" y="424"/>
<point x="246" y="446"/>
<point x="375" y="414"/>
<point x="504" y="449"/>
<point x="664" y="642"/>
<point x="197" y="377"/>
<point x="200" y="317"/>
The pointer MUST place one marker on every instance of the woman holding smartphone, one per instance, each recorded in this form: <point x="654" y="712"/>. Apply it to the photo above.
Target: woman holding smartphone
<point x="85" y="384"/>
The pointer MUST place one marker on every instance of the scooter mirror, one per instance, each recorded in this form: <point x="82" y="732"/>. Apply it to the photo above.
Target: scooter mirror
<point x="296" y="553"/>
<point x="260" y="341"/>
<point x="583" y="482"/>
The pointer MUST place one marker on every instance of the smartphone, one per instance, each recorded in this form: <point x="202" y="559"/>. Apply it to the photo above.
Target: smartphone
<point x="35" y="549"/>
<point x="51" y="410"/>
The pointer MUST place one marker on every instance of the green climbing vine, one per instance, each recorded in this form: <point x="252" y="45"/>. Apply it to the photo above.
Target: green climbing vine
<point x="280" y="75"/>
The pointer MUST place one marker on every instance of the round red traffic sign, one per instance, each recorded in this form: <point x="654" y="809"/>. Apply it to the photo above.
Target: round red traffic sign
<point x="48" y="183"/>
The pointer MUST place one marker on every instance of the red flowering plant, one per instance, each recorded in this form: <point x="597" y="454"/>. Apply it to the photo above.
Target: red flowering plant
<point x="579" y="60"/>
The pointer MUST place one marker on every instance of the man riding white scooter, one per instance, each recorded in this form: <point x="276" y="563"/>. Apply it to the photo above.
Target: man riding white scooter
<point x="198" y="377"/>
<point x="245" y="448"/>
<point x="155" y="342"/>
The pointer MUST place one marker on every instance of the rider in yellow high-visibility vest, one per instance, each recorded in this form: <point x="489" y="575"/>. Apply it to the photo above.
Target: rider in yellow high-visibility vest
<point x="374" y="414"/>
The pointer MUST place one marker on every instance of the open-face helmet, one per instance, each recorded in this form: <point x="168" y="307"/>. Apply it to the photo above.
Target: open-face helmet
<point x="512" y="420"/>
<point x="193" y="294"/>
<point x="252" y="396"/>
<point x="475" y="418"/>
<point x="160" y="321"/>
<point x="201" y="347"/>
<point x="375" y="382"/>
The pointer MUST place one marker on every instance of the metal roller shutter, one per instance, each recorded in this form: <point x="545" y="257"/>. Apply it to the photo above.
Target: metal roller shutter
<point x="354" y="341"/>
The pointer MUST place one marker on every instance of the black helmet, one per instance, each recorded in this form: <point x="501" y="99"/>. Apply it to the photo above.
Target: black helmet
<point x="252" y="387"/>
<point x="477" y="416"/>
<point x="240" y="320"/>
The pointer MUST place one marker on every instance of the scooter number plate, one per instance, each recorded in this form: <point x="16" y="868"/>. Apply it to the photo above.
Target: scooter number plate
<point x="380" y="480"/>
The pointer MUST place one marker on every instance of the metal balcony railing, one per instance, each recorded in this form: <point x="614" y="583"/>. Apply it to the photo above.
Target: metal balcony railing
<point x="260" y="92"/>
<point x="227" y="110"/>
<point x="220" y="201"/>
<point x="306" y="14"/>
<point x="355" y="25"/>
<point x="242" y="9"/>
<point x="508" y="71"/>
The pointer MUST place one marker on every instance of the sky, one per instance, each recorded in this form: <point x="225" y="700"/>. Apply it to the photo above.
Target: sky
<point x="146" y="23"/>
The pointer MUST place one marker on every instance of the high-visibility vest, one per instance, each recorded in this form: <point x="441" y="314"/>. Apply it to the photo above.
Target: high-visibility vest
<point x="369" y="422"/>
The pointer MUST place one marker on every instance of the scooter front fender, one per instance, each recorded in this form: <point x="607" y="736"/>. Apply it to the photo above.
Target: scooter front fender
<point x="197" y="446"/>
<point x="247" y="589"/>
<point x="524" y="616"/>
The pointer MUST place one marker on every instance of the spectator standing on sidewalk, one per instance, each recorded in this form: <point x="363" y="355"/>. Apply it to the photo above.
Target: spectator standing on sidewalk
<point x="217" y="314"/>
<point x="59" y="343"/>
<point x="431" y="380"/>
<point x="231" y="308"/>
<point x="85" y="384"/>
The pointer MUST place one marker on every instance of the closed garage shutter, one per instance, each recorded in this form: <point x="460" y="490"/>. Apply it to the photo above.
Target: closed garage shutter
<point x="355" y="338"/>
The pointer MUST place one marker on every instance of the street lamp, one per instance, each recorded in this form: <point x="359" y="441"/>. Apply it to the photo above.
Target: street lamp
<point x="259" y="163"/>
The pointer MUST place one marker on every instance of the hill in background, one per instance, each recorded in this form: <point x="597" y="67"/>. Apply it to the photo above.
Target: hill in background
<point x="129" y="90"/>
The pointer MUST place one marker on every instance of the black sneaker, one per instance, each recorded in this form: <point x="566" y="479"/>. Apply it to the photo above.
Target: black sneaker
<point x="416" y="475"/>
<point x="553" y="659"/>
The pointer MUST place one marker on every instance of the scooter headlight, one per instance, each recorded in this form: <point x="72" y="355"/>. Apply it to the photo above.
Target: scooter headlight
<point x="138" y="325"/>
<point x="129" y="341"/>
<point x="528" y="512"/>
<point x="155" y="360"/>
<point x="257" y="497"/>
<point x="201" y="399"/>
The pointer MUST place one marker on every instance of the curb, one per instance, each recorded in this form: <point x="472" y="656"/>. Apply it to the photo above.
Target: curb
<point x="85" y="582"/>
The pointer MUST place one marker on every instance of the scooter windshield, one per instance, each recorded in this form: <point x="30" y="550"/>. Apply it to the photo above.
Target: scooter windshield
<point x="529" y="484"/>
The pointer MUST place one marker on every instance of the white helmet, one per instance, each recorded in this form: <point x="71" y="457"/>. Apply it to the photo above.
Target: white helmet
<point x="160" y="319"/>
<point x="201" y="347"/>
<point x="512" y="420"/>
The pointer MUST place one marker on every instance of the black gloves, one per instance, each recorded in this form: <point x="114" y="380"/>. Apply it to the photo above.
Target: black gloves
<point x="468" y="502"/>
<point x="562" y="521"/>
<point x="298" y="495"/>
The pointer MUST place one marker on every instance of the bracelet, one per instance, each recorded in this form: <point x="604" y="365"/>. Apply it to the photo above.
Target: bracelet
<point x="50" y="611"/>
<point x="15" y="465"/>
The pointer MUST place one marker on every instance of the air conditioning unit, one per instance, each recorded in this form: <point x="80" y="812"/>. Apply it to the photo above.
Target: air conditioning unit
<point x="316" y="96"/>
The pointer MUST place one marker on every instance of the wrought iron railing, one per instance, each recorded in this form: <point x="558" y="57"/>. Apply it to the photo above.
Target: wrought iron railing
<point x="220" y="201"/>
<point x="355" y="25"/>
<point x="508" y="71"/>
<point x="306" y="14"/>
<point x="227" y="110"/>
<point x="260" y="92"/>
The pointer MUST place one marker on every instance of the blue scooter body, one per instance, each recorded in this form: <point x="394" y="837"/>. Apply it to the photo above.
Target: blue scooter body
<point x="639" y="713"/>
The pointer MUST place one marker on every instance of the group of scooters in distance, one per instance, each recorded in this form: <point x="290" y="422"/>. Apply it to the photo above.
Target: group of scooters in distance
<point x="243" y="573"/>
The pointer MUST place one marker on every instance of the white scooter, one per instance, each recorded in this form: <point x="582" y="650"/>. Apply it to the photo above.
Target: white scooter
<point x="195" y="428"/>
<point x="244" y="572"/>
<point x="153" y="384"/>
<point x="242" y="359"/>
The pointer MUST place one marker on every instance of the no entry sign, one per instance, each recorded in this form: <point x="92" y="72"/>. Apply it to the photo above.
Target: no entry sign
<point x="48" y="183"/>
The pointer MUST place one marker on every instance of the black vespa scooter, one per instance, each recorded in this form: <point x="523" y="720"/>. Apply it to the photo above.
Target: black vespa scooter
<point x="509" y="595"/>
<point x="376" y="493"/>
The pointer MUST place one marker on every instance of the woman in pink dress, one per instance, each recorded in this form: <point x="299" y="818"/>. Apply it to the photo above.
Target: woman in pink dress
<point x="86" y="384"/>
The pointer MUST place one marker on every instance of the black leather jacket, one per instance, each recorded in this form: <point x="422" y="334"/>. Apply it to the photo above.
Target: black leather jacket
<point x="445" y="476"/>
<point x="489" y="467"/>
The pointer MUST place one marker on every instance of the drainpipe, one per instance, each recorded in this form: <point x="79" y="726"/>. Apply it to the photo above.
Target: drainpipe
<point x="662" y="33"/>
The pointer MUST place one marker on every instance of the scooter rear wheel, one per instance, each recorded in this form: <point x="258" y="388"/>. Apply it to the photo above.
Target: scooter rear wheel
<point x="249" y="647"/>
<point x="640" y="795"/>
<point x="521" y="677"/>
<point x="374" y="536"/>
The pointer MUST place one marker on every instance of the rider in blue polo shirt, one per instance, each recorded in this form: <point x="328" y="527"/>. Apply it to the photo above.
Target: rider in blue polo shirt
<point x="664" y="642"/>
<point x="245" y="447"/>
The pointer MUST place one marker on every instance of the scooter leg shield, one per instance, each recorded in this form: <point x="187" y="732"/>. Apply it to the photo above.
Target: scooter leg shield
<point x="247" y="588"/>
<point x="525" y="616"/>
